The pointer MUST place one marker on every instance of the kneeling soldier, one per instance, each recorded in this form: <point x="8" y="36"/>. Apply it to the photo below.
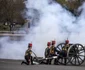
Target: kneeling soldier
<point x="28" y="56"/>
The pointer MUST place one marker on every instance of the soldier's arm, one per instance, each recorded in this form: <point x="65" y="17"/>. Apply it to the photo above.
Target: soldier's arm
<point x="45" y="52"/>
<point x="26" y="53"/>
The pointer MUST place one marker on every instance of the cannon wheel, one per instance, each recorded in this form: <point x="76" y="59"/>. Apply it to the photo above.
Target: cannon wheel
<point x="76" y="54"/>
<point x="59" y="48"/>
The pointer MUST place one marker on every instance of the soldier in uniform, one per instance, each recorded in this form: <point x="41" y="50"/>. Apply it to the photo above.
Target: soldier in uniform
<point x="47" y="51"/>
<point x="64" y="51"/>
<point x="28" y="56"/>
<point x="65" y="48"/>
<point x="53" y="51"/>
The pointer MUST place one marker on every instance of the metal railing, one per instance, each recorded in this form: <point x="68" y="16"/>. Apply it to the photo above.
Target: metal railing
<point x="12" y="33"/>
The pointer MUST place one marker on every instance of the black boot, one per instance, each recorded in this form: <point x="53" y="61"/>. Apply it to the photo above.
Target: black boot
<point x="56" y="62"/>
<point x="32" y="61"/>
<point x="65" y="61"/>
<point x="22" y="62"/>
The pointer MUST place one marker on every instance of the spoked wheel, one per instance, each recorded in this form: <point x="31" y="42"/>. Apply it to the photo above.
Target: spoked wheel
<point x="59" y="47"/>
<point x="62" y="59"/>
<point x="76" y="54"/>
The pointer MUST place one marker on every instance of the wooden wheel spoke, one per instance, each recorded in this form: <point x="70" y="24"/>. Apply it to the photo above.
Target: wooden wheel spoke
<point x="81" y="52"/>
<point x="81" y="55"/>
<point x="61" y="45"/>
<point x="75" y="60"/>
<point x="80" y="58"/>
<point x="78" y="61"/>
<point x="77" y="46"/>
<point x="72" y="60"/>
<point x="81" y="49"/>
<point x="71" y="54"/>
<point x="58" y="48"/>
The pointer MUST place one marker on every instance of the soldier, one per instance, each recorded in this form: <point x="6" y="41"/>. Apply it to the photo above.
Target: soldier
<point x="65" y="48"/>
<point x="53" y="51"/>
<point x="28" y="56"/>
<point x="64" y="51"/>
<point x="47" y="51"/>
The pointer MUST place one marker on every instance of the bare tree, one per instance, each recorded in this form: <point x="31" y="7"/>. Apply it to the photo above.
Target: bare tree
<point x="11" y="12"/>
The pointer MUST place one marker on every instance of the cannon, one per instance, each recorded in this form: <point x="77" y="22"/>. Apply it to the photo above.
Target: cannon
<point x="75" y="54"/>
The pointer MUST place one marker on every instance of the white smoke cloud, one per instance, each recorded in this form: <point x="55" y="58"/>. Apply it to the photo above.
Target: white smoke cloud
<point x="54" y="23"/>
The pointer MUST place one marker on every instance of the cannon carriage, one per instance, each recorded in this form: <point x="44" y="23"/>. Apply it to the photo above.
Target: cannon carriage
<point x="75" y="54"/>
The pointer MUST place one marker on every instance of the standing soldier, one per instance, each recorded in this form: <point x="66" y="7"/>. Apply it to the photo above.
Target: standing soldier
<point x="47" y="51"/>
<point x="53" y="49"/>
<point x="28" y="56"/>
<point x="66" y="46"/>
<point x="64" y="51"/>
<point x="53" y="52"/>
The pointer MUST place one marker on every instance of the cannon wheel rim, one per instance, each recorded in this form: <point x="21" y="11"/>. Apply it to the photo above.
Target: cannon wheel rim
<point x="59" y="46"/>
<point x="75" y="59"/>
<point x="61" y="60"/>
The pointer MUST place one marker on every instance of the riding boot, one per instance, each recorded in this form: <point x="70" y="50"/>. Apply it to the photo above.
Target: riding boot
<point x="50" y="61"/>
<point x="31" y="61"/>
<point x="65" y="60"/>
<point x="56" y="62"/>
<point x="24" y="63"/>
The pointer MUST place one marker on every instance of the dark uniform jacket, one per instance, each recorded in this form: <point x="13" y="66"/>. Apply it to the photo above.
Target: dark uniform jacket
<point x="65" y="48"/>
<point x="47" y="52"/>
<point x="28" y="52"/>
<point x="53" y="51"/>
